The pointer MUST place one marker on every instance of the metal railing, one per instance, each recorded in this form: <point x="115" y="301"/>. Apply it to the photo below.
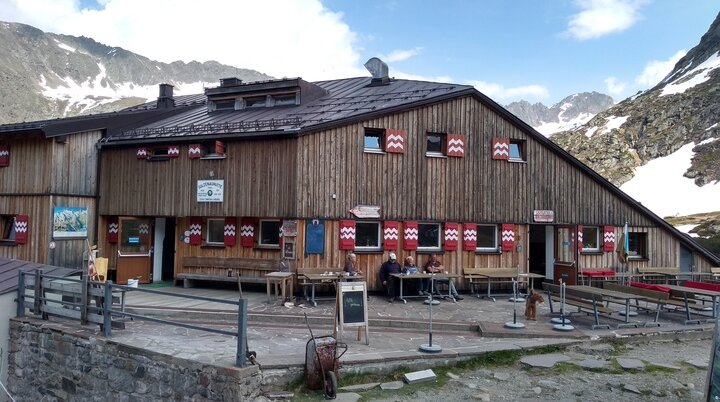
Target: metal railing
<point x="77" y="296"/>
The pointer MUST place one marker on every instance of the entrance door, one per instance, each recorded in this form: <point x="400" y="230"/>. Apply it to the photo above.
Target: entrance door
<point x="565" y="266"/>
<point x="135" y="251"/>
<point x="686" y="259"/>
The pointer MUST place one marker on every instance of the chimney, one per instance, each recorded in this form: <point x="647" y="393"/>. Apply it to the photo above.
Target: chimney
<point x="165" y="100"/>
<point x="230" y="82"/>
<point x="379" y="71"/>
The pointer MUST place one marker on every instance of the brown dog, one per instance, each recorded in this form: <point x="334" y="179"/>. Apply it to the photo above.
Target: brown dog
<point x="531" y="302"/>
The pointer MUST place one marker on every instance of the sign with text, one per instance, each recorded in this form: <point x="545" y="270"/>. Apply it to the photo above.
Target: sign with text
<point x="290" y="228"/>
<point x="352" y="308"/>
<point x="544" y="215"/>
<point x="366" y="211"/>
<point x="210" y="190"/>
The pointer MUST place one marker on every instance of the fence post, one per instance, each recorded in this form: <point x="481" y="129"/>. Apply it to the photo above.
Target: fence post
<point x="84" y="300"/>
<point x="21" y="294"/>
<point x="240" y="355"/>
<point x="38" y="292"/>
<point x="107" y="309"/>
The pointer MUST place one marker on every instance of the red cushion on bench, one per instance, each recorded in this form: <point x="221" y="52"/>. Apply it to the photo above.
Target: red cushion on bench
<point x="715" y="287"/>
<point x="650" y="286"/>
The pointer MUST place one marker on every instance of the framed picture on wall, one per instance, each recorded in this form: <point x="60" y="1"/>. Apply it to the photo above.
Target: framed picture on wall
<point x="70" y="222"/>
<point x="289" y="249"/>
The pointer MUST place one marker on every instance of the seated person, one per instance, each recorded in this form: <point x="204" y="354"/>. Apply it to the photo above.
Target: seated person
<point x="351" y="268"/>
<point x="389" y="282"/>
<point x="434" y="266"/>
<point x="421" y="285"/>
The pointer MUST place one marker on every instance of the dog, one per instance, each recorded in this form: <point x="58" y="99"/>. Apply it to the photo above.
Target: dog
<point x="531" y="302"/>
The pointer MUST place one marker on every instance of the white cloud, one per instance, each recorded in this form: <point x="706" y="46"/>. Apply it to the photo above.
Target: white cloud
<point x="614" y="87"/>
<point x="500" y="92"/>
<point x="304" y="39"/>
<point x="602" y="17"/>
<point x="656" y="70"/>
<point x="400" y="55"/>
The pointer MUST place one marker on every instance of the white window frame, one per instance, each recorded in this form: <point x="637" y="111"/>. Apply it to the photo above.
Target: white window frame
<point x="261" y="242"/>
<point x="378" y="238"/>
<point x="443" y="140"/>
<point x="214" y="221"/>
<point x="597" y="239"/>
<point x="374" y="132"/>
<point x="520" y="144"/>
<point x="438" y="245"/>
<point x="495" y="238"/>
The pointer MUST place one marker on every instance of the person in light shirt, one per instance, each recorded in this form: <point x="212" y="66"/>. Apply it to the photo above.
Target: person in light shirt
<point x="421" y="285"/>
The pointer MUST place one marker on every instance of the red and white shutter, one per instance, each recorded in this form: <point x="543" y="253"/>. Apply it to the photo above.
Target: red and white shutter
<point x="347" y="235"/>
<point x="410" y="236"/>
<point x="609" y="238"/>
<point x="395" y="141"/>
<point x="580" y="237"/>
<point x="113" y="229"/>
<point x="4" y="155"/>
<point x="173" y="151"/>
<point x="501" y="148"/>
<point x="144" y="232"/>
<point x="391" y="234"/>
<point x="230" y="230"/>
<point x="142" y="153"/>
<point x="194" y="151"/>
<point x="508" y="237"/>
<point x="195" y="231"/>
<point x="469" y="236"/>
<point x="247" y="232"/>
<point x="21" y="229"/>
<point x="451" y="236"/>
<point x="455" y="145"/>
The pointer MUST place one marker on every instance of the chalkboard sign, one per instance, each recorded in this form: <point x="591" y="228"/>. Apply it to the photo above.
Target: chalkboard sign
<point x="352" y="306"/>
<point x="712" y="389"/>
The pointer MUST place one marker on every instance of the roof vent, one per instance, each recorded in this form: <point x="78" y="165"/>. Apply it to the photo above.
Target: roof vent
<point x="230" y="82"/>
<point x="165" y="99"/>
<point x="379" y="71"/>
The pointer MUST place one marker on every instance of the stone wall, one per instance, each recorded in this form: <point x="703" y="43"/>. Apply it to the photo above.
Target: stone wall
<point x="50" y="363"/>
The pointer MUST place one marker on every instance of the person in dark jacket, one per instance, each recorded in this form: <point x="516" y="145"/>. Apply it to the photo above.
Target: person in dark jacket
<point x="389" y="282"/>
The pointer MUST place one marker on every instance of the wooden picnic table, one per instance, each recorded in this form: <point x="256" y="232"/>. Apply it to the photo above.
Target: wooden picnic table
<point x="622" y="297"/>
<point x="686" y="293"/>
<point x="330" y="278"/>
<point x="422" y="275"/>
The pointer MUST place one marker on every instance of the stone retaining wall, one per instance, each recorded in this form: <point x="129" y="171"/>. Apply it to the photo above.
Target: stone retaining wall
<point x="49" y="363"/>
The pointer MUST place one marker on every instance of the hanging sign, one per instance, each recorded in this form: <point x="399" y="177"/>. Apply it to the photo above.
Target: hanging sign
<point x="210" y="190"/>
<point x="366" y="211"/>
<point x="289" y="228"/>
<point x="544" y="215"/>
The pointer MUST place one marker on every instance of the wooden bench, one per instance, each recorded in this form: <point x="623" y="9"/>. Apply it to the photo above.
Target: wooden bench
<point x="659" y="273"/>
<point x="590" y="303"/>
<point x="478" y="276"/>
<point x="226" y="269"/>
<point x="658" y="297"/>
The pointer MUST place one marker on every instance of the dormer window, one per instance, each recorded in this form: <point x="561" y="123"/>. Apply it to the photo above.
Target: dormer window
<point x="285" y="100"/>
<point x="227" y="104"/>
<point x="255" y="101"/>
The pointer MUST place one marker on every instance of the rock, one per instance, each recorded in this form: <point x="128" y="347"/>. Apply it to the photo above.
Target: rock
<point x="391" y="385"/>
<point x="549" y="384"/>
<point x="501" y="376"/>
<point x="630" y="364"/>
<point x="631" y="388"/>
<point x="545" y="361"/>
<point x="698" y="363"/>
<point x="453" y="376"/>
<point x="360" y="387"/>
<point x="347" y="397"/>
<point x="593" y="364"/>
<point x="482" y="397"/>
<point x="537" y="390"/>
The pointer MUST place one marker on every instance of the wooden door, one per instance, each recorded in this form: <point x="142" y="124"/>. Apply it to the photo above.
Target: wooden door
<point x="565" y="266"/>
<point x="135" y="251"/>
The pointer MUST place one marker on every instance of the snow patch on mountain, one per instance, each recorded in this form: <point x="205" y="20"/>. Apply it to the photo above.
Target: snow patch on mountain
<point x="694" y="77"/>
<point x="664" y="190"/>
<point x="64" y="46"/>
<point x="613" y="123"/>
<point x="547" y="128"/>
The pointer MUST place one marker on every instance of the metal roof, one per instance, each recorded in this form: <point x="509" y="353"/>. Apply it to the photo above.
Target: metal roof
<point x="347" y="99"/>
<point x="9" y="272"/>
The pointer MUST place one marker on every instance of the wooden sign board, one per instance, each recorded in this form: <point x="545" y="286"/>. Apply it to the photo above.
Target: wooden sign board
<point x="544" y="215"/>
<point x="366" y="211"/>
<point x="352" y="306"/>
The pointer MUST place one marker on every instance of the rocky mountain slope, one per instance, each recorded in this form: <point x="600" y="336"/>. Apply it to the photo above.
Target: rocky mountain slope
<point x="44" y="75"/>
<point x="567" y="114"/>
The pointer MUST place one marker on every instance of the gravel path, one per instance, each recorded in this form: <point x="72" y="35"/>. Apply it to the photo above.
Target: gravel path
<point x="671" y="370"/>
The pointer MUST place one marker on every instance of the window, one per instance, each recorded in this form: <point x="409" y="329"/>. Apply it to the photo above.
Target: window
<point x="215" y="231"/>
<point x="517" y="151"/>
<point x="158" y="154"/>
<point x="637" y="245"/>
<point x="487" y="238"/>
<point x="224" y="104"/>
<point x="256" y="101"/>
<point x="429" y="236"/>
<point x="269" y="233"/>
<point x="374" y="140"/>
<point x="212" y="150"/>
<point x="135" y="235"/>
<point x="591" y="238"/>
<point x="7" y="222"/>
<point x="284" y="100"/>
<point x="367" y="236"/>
<point x="435" y="144"/>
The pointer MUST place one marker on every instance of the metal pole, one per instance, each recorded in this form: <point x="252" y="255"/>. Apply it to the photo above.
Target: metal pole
<point x="21" y="294"/>
<point x="429" y="347"/>
<point x="240" y="356"/>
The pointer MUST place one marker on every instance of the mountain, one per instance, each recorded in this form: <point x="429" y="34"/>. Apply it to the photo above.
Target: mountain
<point x="48" y="75"/>
<point x="661" y="145"/>
<point x="567" y="114"/>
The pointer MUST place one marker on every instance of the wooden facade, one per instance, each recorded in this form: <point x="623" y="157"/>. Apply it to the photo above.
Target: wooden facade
<point x="45" y="173"/>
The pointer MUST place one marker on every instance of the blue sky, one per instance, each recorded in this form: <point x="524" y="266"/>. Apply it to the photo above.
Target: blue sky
<point x="540" y="51"/>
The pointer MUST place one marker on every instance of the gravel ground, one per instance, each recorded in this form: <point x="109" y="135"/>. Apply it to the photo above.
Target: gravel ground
<point x="666" y="375"/>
